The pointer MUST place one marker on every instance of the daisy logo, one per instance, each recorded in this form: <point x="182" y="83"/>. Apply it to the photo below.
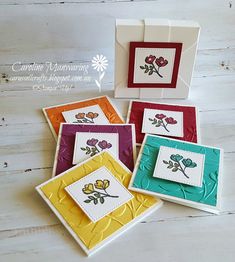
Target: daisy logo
<point x="99" y="63"/>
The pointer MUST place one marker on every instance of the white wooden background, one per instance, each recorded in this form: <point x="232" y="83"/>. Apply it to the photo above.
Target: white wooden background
<point x="72" y="32"/>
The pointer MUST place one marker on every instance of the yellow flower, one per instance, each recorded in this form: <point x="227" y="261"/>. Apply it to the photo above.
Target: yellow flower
<point x="88" y="189"/>
<point x="102" y="184"/>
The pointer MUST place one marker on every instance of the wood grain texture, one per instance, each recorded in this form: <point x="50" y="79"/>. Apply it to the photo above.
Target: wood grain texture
<point x="72" y="32"/>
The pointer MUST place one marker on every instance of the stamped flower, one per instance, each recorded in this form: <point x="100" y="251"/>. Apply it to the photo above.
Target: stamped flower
<point x="97" y="191"/>
<point x="104" y="144"/>
<point x="160" y="120"/>
<point x="161" y="62"/>
<point x="150" y="59"/>
<point x="95" y="146"/>
<point x="160" y="116"/>
<point x="170" y="120"/>
<point x="179" y="163"/>
<point x="92" y="115"/>
<point x="86" y="118"/>
<point x="102" y="184"/>
<point x="80" y="115"/>
<point x="153" y="65"/>
<point x="88" y="189"/>
<point x="92" y="142"/>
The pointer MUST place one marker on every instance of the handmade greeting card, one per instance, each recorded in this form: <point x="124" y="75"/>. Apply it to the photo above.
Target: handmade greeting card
<point x="177" y="121"/>
<point x="154" y="58"/>
<point x="181" y="172"/>
<point x="77" y="143"/>
<point x="93" y="202"/>
<point x="99" y="110"/>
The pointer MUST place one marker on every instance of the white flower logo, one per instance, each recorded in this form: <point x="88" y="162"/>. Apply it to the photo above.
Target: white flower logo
<point x="99" y="63"/>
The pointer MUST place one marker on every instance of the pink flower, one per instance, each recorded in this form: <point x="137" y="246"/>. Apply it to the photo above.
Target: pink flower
<point x="160" y="116"/>
<point x="92" y="142"/>
<point x="150" y="59"/>
<point x="161" y="61"/>
<point x="104" y="144"/>
<point x="170" y="120"/>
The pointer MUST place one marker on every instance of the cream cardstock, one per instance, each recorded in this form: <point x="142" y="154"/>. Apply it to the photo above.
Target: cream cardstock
<point x="166" y="71"/>
<point x="100" y="118"/>
<point x="153" y="125"/>
<point x="99" y="193"/>
<point x="174" y="165"/>
<point x="88" y="144"/>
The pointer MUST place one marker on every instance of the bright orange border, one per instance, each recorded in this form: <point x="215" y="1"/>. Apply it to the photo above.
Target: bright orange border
<point x="55" y="117"/>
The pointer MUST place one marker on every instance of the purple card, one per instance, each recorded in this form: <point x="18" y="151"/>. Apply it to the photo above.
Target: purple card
<point x="77" y="142"/>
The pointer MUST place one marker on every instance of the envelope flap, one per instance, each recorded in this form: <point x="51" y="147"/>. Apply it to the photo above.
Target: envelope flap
<point x="128" y="30"/>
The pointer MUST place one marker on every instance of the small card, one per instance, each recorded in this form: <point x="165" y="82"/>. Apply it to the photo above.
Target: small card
<point x="163" y="122"/>
<point x="180" y="166"/>
<point x="93" y="202"/>
<point x="175" y="121"/>
<point x="86" y="115"/>
<point x="99" y="193"/>
<point x="182" y="172"/>
<point x="98" y="110"/>
<point x="79" y="142"/>
<point x="154" y="65"/>
<point x="88" y="144"/>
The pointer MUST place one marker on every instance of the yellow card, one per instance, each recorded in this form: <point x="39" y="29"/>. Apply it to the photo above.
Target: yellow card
<point x="96" y="190"/>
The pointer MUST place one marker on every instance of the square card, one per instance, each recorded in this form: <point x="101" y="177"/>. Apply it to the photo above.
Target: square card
<point x="164" y="166"/>
<point x="99" y="110"/>
<point x="154" y="65"/>
<point x="77" y="142"/>
<point x="175" y="121"/>
<point x="100" y="188"/>
<point x="89" y="144"/>
<point x="89" y="235"/>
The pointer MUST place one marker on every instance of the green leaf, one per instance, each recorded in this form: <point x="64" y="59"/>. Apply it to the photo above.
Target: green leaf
<point x="97" y="195"/>
<point x="146" y="70"/>
<point x="91" y="197"/>
<point x="87" y="201"/>
<point x="170" y="163"/>
<point x="165" y="162"/>
<point x="83" y="148"/>
<point x="174" y="169"/>
<point x="176" y="165"/>
<point x="150" y="119"/>
<point x="95" y="201"/>
<point x="142" y="67"/>
<point x="101" y="200"/>
<point x="150" y="72"/>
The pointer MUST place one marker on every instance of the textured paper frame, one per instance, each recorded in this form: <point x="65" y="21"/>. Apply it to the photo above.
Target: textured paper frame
<point x="205" y="207"/>
<point x="66" y="157"/>
<point x="153" y="105"/>
<point x="54" y="115"/>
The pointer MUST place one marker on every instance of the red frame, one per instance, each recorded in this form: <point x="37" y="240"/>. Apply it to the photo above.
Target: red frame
<point x="136" y="115"/>
<point x="134" y="45"/>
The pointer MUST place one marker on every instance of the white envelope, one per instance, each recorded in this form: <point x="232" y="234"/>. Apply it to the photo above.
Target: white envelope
<point x="155" y="30"/>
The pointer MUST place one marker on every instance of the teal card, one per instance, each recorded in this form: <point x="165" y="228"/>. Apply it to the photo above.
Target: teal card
<point x="179" y="171"/>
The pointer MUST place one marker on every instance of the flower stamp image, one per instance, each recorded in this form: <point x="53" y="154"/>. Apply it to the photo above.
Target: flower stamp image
<point x="95" y="146"/>
<point x="153" y="65"/>
<point x="97" y="192"/>
<point x="161" y="120"/>
<point x="179" y="163"/>
<point x="86" y="118"/>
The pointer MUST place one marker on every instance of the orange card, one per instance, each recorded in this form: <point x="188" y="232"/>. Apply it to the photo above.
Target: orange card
<point x="99" y="110"/>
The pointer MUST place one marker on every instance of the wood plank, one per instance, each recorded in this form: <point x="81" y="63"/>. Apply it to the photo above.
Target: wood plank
<point x="39" y="39"/>
<point x="210" y="237"/>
